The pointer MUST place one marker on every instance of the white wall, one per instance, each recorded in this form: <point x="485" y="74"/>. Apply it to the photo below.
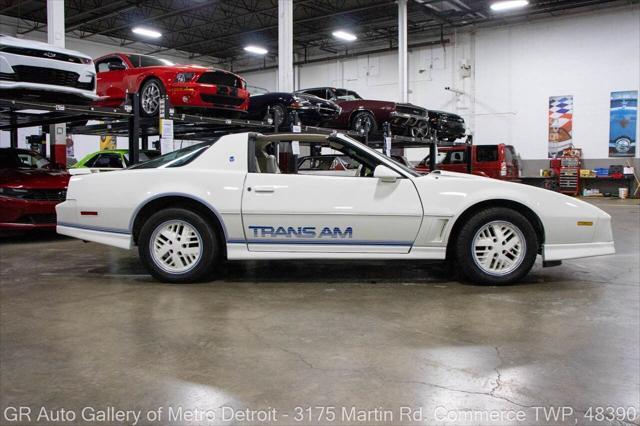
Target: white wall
<point x="515" y="70"/>
<point x="519" y="67"/>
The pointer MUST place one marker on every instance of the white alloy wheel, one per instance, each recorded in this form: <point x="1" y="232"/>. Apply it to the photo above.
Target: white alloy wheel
<point x="151" y="98"/>
<point x="175" y="246"/>
<point x="498" y="248"/>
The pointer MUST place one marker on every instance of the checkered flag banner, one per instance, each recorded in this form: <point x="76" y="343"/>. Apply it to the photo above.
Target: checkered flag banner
<point x="560" y="124"/>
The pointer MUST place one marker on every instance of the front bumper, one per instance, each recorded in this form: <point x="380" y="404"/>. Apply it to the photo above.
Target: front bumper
<point x="208" y="96"/>
<point x="413" y="125"/>
<point x="21" y="86"/>
<point x="17" y="214"/>
<point x="574" y="251"/>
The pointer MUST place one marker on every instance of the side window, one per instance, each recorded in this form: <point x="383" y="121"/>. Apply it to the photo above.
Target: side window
<point x="335" y="159"/>
<point x="108" y="161"/>
<point x="455" y="157"/>
<point x="104" y="65"/>
<point x="508" y="154"/>
<point x="321" y="93"/>
<point x="487" y="153"/>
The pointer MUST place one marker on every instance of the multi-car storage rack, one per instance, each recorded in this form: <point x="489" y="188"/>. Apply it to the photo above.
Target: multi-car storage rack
<point x="126" y="121"/>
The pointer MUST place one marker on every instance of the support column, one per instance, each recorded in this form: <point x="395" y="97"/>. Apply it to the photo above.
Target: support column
<point x="285" y="45"/>
<point x="55" y="36"/>
<point x="403" y="75"/>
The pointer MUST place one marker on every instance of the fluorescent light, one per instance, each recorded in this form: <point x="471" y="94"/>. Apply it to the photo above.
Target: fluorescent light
<point x="509" y="4"/>
<point x="256" y="49"/>
<point x="147" y="32"/>
<point x="344" y="35"/>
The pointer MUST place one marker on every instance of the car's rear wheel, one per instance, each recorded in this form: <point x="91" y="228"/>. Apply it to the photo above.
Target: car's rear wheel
<point x="496" y="246"/>
<point x="178" y="246"/>
<point x="280" y="116"/>
<point x="364" y="122"/>
<point x="150" y="94"/>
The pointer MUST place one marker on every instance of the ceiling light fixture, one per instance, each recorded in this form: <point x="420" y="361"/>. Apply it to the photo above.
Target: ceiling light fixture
<point x="344" y="35"/>
<point x="256" y="49"/>
<point x="147" y="32"/>
<point x="508" y="4"/>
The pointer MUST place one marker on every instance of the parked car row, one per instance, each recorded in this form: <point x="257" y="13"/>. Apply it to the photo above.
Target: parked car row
<point x="36" y="69"/>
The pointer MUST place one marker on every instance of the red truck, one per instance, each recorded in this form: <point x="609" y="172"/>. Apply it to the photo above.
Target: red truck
<point x="495" y="161"/>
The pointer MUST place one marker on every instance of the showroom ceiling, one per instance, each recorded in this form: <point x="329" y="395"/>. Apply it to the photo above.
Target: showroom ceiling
<point x="220" y="29"/>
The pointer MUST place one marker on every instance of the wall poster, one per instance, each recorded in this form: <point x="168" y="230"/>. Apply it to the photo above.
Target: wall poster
<point x="560" y="124"/>
<point x="623" y="120"/>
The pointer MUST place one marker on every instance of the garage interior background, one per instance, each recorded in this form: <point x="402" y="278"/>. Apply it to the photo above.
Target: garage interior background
<point x="504" y="70"/>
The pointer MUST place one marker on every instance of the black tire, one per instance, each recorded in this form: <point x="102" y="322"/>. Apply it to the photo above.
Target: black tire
<point x="145" y="109"/>
<point x="210" y="246"/>
<point x="465" y="257"/>
<point x="362" y="120"/>
<point x="280" y="116"/>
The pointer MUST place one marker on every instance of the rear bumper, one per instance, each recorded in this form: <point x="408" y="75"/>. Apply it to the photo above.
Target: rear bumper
<point x="574" y="251"/>
<point x="110" y="238"/>
<point x="17" y="214"/>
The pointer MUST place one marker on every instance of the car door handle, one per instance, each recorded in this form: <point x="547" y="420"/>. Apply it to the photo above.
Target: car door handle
<point x="264" y="189"/>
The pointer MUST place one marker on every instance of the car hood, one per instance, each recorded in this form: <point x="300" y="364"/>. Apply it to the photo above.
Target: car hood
<point x="38" y="45"/>
<point x="368" y="103"/>
<point x="468" y="189"/>
<point x="34" y="178"/>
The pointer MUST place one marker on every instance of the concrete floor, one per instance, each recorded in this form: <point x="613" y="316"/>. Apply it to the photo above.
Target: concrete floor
<point x="82" y="325"/>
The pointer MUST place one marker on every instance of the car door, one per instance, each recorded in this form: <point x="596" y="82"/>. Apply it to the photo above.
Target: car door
<point x="329" y="213"/>
<point x="111" y="73"/>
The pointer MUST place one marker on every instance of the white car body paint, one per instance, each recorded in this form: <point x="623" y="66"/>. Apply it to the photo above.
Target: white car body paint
<point x="409" y="218"/>
<point x="8" y="60"/>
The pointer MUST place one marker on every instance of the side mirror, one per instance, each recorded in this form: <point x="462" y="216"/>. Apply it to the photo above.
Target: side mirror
<point x="116" y="67"/>
<point x="385" y="174"/>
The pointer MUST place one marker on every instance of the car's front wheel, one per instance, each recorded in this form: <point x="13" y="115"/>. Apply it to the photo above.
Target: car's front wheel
<point x="150" y="94"/>
<point x="364" y="122"/>
<point x="178" y="246"/>
<point x="496" y="246"/>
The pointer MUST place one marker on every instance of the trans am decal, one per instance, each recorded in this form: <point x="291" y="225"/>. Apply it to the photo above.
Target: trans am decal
<point x="306" y="232"/>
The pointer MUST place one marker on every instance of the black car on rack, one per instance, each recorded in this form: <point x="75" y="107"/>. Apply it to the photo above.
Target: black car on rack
<point x="448" y="126"/>
<point x="312" y="111"/>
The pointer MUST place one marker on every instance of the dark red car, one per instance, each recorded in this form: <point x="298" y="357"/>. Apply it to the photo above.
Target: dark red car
<point x="187" y="86"/>
<point x="368" y="116"/>
<point x="495" y="161"/>
<point x="30" y="188"/>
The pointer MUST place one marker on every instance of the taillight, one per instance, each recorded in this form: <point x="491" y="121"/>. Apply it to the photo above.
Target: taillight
<point x="503" y="168"/>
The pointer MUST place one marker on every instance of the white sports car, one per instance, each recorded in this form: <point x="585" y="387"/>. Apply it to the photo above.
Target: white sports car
<point x="189" y="209"/>
<point x="32" y="67"/>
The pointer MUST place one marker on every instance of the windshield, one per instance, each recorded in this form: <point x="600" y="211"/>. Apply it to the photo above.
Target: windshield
<point x="176" y="158"/>
<point x="140" y="61"/>
<point x="346" y="95"/>
<point x="22" y="159"/>
<point x="255" y="90"/>
<point x="379" y="155"/>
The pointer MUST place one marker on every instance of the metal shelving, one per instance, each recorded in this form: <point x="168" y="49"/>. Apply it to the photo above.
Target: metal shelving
<point x="126" y="121"/>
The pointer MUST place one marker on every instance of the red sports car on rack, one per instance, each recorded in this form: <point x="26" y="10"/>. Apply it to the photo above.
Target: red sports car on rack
<point x="187" y="86"/>
<point x="30" y="188"/>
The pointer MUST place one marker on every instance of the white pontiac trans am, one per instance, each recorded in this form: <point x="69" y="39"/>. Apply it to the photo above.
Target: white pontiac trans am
<point x="189" y="209"/>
